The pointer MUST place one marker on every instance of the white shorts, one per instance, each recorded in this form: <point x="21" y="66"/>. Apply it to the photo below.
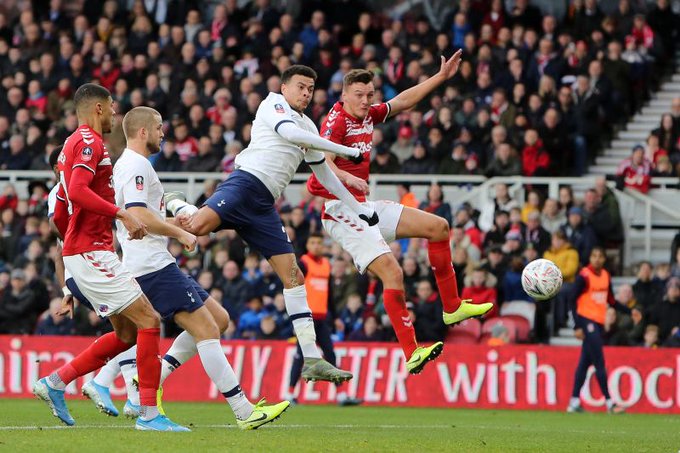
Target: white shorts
<point x="364" y="243"/>
<point x="104" y="281"/>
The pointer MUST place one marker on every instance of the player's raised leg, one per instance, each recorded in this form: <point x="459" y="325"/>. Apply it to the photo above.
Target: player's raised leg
<point x="390" y="273"/>
<point x="415" y="223"/>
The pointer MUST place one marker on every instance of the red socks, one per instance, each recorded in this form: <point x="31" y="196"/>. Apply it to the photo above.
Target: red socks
<point x="148" y="365"/>
<point x="395" y="306"/>
<point x="440" y="260"/>
<point x="95" y="356"/>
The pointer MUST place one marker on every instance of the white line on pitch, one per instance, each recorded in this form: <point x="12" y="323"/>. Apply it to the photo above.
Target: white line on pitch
<point x="54" y="427"/>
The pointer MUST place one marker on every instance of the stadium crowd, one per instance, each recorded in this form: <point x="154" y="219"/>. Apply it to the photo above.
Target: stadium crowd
<point x="534" y="96"/>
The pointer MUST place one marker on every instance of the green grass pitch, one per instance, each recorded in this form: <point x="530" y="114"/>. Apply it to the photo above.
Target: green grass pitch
<point x="27" y="425"/>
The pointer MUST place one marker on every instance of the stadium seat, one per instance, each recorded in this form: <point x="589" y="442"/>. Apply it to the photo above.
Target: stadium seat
<point x="509" y="324"/>
<point x="454" y="336"/>
<point x="526" y="310"/>
<point x="467" y="332"/>
<point x="523" y="327"/>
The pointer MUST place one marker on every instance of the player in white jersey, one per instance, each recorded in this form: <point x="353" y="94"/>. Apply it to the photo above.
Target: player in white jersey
<point x="282" y="136"/>
<point x="174" y="294"/>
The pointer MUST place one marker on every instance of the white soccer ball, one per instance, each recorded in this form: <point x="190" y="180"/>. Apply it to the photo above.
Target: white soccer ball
<point x="541" y="279"/>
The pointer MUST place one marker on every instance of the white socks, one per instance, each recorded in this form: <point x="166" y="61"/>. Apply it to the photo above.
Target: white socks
<point x="182" y="349"/>
<point x="574" y="402"/>
<point x="301" y="316"/>
<point x="219" y="370"/>
<point x="125" y="363"/>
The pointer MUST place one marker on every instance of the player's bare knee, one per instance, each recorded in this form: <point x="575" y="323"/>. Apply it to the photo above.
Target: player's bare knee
<point x="438" y="229"/>
<point x="208" y="330"/>
<point x="391" y="274"/>
<point x="222" y="322"/>
<point x="149" y="320"/>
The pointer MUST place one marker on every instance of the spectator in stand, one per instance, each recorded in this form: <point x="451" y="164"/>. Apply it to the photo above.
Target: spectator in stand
<point x="343" y="284"/>
<point x="666" y="134"/>
<point x="435" y="203"/>
<point x="567" y="260"/>
<point x="608" y="229"/>
<point x="504" y="162"/>
<point x="460" y="240"/>
<point x="18" y="307"/>
<point x="651" y="338"/>
<point x="566" y="198"/>
<point x="646" y="291"/>
<point x="579" y="234"/>
<point x="535" y="159"/>
<point x="630" y="325"/>
<point x="533" y="204"/>
<point x="454" y="164"/>
<point x="54" y="323"/>
<point x="385" y="162"/>
<point x="501" y="226"/>
<point x="501" y="202"/>
<point x="535" y="234"/>
<point x="666" y="314"/>
<point x="551" y="216"/>
<point x="250" y="319"/>
<point x="370" y="330"/>
<point x="352" y="314"/>
<point x="406" y="197"/>
<point x="167" y="159"/>
<point x="205" y="160"/>
<point x="419" y="163"/>
<point x="403" y="147"/>
<point x="481" y="288"/>
<point x="464" y="220"/>
<point x="635" y="171"/>
<point x="185" y="145"/>
<point x="652" y="151"/>
<point x="429" y="325"/>
<point x="235" y="289"/>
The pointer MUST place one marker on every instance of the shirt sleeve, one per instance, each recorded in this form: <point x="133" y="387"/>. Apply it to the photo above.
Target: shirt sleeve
<point x="380" y="112"/>
<point x="87" y="156"/>
<point x="135" y="185"/>
<point x="275" y="112"/>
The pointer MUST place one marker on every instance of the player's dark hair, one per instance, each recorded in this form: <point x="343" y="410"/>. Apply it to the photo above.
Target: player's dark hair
<point x="90" y="92"/>
<point x="315" y="235"/>
<point x="298" y="69"/>
<point x="600" y="249"/>
<point x="54" y="156"/>
<point x="357" y="76"/>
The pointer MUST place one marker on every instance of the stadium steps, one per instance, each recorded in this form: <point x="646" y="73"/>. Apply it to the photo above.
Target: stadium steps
<point x="640" y="126"/>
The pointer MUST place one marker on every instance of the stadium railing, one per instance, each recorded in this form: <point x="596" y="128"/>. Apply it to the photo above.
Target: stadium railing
<point x="648" y="220"/>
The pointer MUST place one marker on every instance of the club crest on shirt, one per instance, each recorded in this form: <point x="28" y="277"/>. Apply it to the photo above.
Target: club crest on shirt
<point x="328" y="132"/>
<point x="279" y="108"/>
<point x="139" y="182"/>
<point x="86" y="154"/>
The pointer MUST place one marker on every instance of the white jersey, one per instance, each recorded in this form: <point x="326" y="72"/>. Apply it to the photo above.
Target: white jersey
<point x="136" y="184"/>
<point x="52" y="200"/>
<point x="270" y="157"/>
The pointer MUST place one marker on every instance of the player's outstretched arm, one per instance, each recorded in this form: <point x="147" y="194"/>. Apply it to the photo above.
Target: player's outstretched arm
<point x="158" y="226"/>
<point x="409" y="98"/>
<point x="308" y="140"/>
<point x="317" y="162"/>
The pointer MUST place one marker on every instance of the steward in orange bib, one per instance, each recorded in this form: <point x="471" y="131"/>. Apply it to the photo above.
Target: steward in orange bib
<point x="317" y="270"/>
<point x="593" y="296"/>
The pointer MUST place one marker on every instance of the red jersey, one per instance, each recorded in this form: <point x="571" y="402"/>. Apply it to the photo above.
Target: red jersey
<point x="341" y="127"/>
<point x="87" y="231"/>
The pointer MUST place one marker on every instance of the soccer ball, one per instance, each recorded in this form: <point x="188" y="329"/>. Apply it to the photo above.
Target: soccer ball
<point x="541" y="279"/>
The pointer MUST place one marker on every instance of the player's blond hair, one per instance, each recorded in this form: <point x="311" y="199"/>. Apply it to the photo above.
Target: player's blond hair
<point x="138" y="118"/>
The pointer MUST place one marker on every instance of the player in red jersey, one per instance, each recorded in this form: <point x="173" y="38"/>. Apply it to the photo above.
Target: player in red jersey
<point x="350" y="123"/>
<point x="86" y="175"/>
